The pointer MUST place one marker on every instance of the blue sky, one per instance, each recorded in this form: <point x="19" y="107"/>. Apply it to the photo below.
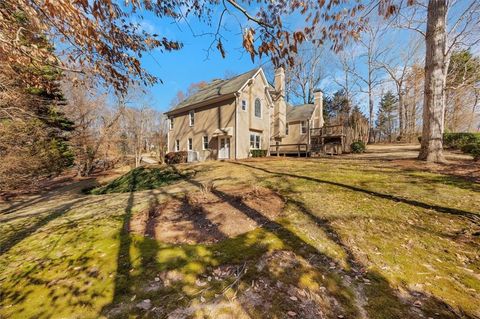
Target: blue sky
<point x="194" y="62"/>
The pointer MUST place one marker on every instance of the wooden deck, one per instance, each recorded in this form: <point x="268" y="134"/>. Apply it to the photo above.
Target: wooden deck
<point x="329" y="139"/>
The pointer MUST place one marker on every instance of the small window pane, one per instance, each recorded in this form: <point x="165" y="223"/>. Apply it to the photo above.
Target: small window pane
<point x="192" y="118"/>
<point x="177" y="145"/>
<point x="258" y="108"/>
<point x="244" y="105"/>
<point x="190" y="144"/>
<point x="205" y="142"/>
<point x="286" y="129"/>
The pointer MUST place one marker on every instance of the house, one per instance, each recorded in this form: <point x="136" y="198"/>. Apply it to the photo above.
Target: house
<point x="226" y="119"/>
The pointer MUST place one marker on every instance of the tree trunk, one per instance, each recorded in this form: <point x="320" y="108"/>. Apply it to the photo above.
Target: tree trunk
<point x="370" y="116"/>
<point x="401" y="117"/>
<point x="435" y="78"/>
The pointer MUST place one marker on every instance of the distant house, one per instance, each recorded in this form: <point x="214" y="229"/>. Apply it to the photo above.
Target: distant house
<point x="227" y="119"/>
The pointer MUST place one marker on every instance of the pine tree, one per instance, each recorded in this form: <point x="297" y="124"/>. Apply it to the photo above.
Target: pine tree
<point x="386" y="116"/>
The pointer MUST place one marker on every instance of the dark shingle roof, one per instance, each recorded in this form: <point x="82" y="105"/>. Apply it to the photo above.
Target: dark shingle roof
<point x="299" y="112"/>
<point x="216" y="88"/>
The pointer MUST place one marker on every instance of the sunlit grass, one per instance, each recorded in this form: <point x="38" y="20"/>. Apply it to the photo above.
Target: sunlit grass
<point x="72" y="259"/>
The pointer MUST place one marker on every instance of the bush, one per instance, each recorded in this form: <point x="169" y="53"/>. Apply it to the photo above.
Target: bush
<point x="458" y="140"/>
<point x="357" y="147"/>
<point x="472" y="149"/>
<point x="176" y="157"/>
<point x="258" y="153"/>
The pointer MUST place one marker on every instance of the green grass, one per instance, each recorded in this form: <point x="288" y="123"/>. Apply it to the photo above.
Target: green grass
<point x="139" y="179"/>
<point x="364" y="237"/>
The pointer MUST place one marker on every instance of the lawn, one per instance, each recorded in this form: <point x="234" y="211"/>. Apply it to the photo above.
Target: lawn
<point x="354" y="238"/>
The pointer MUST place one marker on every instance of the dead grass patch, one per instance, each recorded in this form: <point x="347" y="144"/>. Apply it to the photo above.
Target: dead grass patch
<point x="207" y="217"/>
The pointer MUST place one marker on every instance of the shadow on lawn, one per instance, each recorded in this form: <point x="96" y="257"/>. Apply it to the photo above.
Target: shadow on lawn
<point x="18" y="236"/>
<point x="354" y="298"/>
<point x="474" y="218"/>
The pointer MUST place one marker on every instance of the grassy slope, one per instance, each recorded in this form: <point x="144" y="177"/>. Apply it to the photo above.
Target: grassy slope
<point x="415" y="244"/>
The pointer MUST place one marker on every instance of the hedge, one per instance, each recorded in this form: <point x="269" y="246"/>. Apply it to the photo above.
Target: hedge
<point x="458" y="140"/>
<point x="472" y="149"/>
<point x="176" y="157"/>
<point x="258" y="153"/>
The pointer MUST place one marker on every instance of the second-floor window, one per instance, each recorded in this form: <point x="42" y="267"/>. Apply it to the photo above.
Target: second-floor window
<point x="286" y="129"/>
<point x="190" y="144"/>
<point x="205" y="142"/>
<point x="171" y="123"/>
<point x="177" y="145"/>
<point x="303" y="127"/>
<point x="192" y="118"/>
<point x="244" y="105"/>
<point x="258" y="108"/>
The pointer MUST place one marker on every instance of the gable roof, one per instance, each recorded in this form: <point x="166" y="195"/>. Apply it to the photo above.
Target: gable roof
<point x="216" y="90"/>
<point x="299" y="112"/>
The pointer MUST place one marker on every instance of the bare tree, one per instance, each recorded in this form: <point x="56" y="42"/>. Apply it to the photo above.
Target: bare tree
<point x="397" y="65"/>
<point x="371" y="78"/>
<point x="305" y="75"/>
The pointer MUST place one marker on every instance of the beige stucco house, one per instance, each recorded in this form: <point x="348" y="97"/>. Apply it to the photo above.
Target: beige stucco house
<point x="226" y="119"/>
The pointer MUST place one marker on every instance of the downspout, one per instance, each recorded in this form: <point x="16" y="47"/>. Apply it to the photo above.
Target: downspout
<point x="168" y="135"/>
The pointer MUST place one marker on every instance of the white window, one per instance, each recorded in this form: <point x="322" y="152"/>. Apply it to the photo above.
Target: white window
<point x="244" y="105"/>
<point x="171" y="123"/>
<point x="177" y="145"/>
<point x="258" y="108"/>
<point x="190" y="144"/>
<point x="255" y="141"/>
<point x="286" y="129"/>
<point x="192" y="118"/>
<point x="303" y="127"/>
<point x="205" y="142"/>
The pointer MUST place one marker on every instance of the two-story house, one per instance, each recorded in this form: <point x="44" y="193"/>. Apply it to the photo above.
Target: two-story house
<point x="226" y="119"/>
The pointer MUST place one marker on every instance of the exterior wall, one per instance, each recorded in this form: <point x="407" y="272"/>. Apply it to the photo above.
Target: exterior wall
<point x="247" y="122"/>
<point x="207" y="120"/>
<point x="294" y="134"/>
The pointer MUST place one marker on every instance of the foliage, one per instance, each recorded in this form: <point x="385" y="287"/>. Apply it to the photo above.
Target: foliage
<point x="176" y="157"/>
<point x="458" y="140"/>
<point x="357" y="147"/>
<point x="258" y="153"/>
<point x="141" y="178"/>
<point x="337" y="106"/>
<point x="386" y="115"/>
<point x="472" y="149"/>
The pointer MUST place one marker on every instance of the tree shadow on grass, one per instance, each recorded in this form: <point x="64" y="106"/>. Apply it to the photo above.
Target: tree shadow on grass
<point x="363" y="293"/>
<point x="23" y="233"/>
<point x="472" y="217"/>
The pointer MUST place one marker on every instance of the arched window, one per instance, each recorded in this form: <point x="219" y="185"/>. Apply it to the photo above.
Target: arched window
<point x="258" y="108"/>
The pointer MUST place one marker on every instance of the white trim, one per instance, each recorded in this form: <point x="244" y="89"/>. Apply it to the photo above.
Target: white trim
<point x="267" y="85"/>
<point x="203" y="142"/>
<point x="306" y="126"/>
<point x="255" y="108"/>
<point x="191" y="118"/>
<point x="190" y="144"/>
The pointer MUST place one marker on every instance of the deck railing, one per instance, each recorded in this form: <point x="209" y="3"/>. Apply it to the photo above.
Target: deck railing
<point x="289" y="148"/>
<point x="328" y="130"/>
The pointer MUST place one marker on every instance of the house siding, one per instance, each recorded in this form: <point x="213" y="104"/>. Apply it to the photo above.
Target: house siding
<point x="248" y="122"/>
<point x="207" y="120"/>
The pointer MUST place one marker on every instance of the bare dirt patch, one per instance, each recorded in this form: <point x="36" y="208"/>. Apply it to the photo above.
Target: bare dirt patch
<point x="208" y="216"/>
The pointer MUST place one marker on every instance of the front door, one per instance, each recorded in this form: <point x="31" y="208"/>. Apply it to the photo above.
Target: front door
<point x="224" y="148"/>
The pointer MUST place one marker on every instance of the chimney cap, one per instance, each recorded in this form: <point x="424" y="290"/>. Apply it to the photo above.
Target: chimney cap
<point x="317" y="90"/>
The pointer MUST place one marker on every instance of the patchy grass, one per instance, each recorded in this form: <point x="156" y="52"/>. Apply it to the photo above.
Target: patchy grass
<point x="357" y="238"/>
<point x="139" y="179"/>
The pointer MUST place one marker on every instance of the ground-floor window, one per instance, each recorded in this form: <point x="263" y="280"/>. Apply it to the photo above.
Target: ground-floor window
<point x="190" y="144"/>
<point x="177" y="145"/>
<point x="303" y="128"/>
<point x="255" y="141"/>
<point x="205" y="142"/>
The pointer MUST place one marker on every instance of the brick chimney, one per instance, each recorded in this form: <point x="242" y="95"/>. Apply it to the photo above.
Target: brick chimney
<point x="318" y="102"/>
<point x="280" y="107"/>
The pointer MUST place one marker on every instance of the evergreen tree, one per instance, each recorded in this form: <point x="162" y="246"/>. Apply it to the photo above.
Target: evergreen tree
<point x="386" y="115"/>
